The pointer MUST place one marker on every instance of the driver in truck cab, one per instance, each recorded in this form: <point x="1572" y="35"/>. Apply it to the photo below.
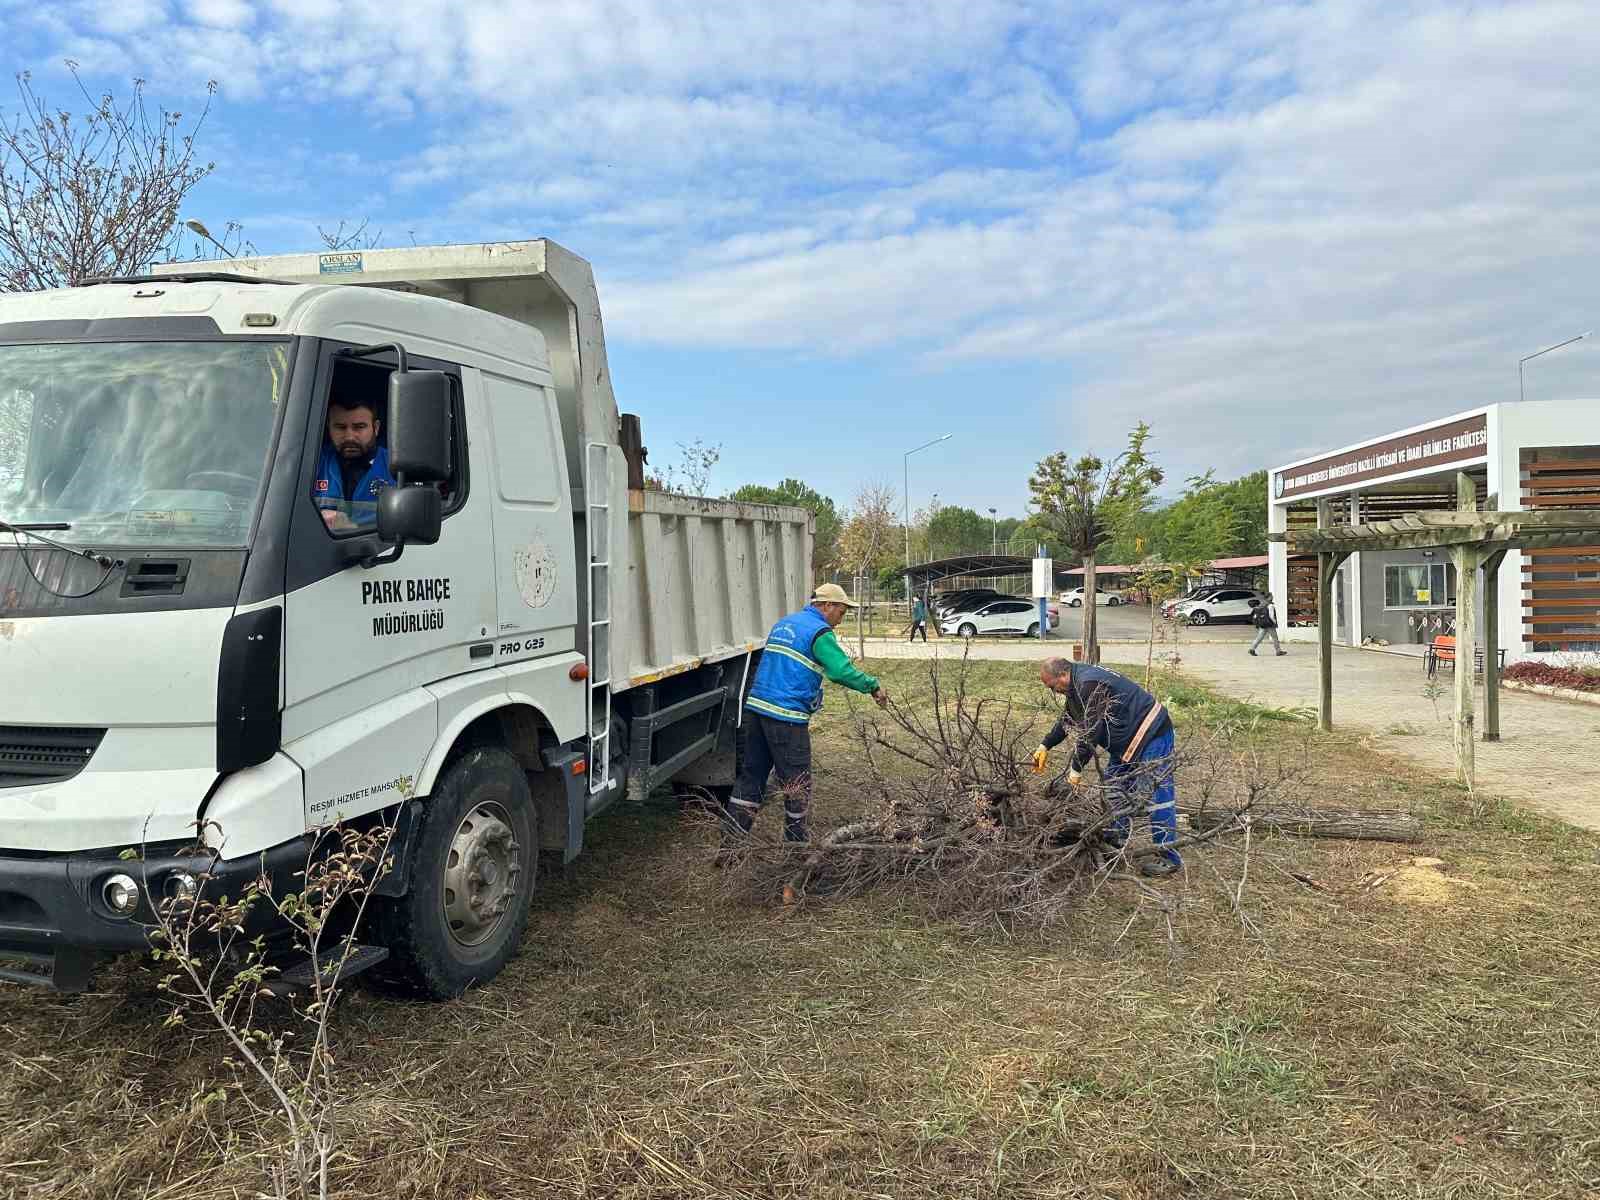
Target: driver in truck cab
<point x="352" y="468"/>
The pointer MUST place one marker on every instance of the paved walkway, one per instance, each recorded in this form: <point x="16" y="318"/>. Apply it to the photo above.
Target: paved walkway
<point x="1544" y="760"/>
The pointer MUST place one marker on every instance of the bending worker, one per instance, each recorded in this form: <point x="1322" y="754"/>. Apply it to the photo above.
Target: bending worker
<point x="801" y="650"/>
<point x="1112" y="712"/>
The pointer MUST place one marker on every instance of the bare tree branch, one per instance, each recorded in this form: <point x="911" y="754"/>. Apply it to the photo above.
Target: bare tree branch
<point x="93" y="195"/>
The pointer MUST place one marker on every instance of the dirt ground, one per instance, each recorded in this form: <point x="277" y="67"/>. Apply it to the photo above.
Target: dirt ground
<point x="1400" y="1027"/>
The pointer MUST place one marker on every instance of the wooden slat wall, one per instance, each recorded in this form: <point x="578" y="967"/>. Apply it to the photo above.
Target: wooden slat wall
<point x="1561" y="588"/>
<point x="1300" y="605"/>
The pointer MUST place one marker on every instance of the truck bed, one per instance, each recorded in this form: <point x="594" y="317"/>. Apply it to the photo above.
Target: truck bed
<point x="704" y="580"/>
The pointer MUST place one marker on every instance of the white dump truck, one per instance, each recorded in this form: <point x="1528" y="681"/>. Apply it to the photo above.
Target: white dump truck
<point x="207" y="631"/>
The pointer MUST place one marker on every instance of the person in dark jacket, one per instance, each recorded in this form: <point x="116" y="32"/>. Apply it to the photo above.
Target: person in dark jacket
<point x="919" y="619"/>
<point x="1107" y="711"/>
<point x="1265" y="619"/>
<point x="801" y="651"/>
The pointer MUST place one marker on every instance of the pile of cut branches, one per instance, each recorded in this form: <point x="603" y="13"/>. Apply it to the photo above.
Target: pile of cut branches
<point x="954" y="813"/>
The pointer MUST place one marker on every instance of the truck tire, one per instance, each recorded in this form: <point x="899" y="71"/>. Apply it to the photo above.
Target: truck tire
<point x="473" y="865"/>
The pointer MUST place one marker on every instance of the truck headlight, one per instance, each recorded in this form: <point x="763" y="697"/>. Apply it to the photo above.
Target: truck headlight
<point x="121" y="895"/>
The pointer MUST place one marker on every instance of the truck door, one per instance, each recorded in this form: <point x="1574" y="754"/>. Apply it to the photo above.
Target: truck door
<point x="533" y="529"/>
<point x="361" y="642"/>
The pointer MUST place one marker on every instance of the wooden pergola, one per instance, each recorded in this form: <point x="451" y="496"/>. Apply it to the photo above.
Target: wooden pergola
<point x="1475" y="538"/>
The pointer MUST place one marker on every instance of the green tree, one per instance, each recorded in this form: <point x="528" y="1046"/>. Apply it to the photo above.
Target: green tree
<point x="825" y="557"/>
<point x="1082" y="504"/>
<point x="956" y="530"/>
<point x="1006" y="530"/>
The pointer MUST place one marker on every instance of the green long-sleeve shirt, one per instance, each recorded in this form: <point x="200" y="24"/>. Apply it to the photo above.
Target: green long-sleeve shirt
<point x="837" y="665"/>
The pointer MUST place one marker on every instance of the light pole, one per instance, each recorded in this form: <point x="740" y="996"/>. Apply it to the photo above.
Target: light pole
<point x="1521" y="395"/>
<point x="906" y="469"/>
<point x="197" y="228"/>
<point x="994" y="534"/>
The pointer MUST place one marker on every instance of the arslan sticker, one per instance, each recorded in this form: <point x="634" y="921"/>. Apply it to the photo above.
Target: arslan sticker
<point x="536" y="574"/>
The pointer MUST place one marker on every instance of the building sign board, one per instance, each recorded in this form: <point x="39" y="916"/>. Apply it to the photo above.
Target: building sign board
<point x="1455" y="442"/>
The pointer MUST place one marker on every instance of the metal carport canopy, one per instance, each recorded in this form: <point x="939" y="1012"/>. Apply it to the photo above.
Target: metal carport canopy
<point x="972" y="566"/>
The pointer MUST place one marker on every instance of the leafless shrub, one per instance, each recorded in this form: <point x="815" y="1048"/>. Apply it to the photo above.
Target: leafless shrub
<point x="277" y="1035"/>
<point x="356" y="238"/>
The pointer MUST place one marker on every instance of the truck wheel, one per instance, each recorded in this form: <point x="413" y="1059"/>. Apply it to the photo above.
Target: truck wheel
<point x="473" y="869"/>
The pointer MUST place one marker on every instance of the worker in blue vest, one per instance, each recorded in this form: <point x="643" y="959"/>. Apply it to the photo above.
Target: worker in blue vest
<point x="1109" y="711"/>
<point x="352" y="469"/>
<point x="801" y="651"/>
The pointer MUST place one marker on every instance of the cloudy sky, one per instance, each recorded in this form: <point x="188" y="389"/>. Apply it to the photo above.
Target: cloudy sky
<point x="827" y="232"/>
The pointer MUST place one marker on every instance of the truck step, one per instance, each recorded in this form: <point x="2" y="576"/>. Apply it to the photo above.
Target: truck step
<point x="301" y="976"/>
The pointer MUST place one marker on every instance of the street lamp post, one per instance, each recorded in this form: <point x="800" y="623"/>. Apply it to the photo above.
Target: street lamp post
<point x="198" y="229"/>
<point x="1521" y="394"/>
<point x="994" y="534"/>
<point x="906" y="469"/>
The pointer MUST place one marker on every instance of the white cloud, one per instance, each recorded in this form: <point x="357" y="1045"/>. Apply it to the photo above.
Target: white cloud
<point x="1268" y="227"/>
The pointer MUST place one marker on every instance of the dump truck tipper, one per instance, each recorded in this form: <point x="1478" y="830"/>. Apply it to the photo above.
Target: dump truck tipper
<point x="203" y="657"/>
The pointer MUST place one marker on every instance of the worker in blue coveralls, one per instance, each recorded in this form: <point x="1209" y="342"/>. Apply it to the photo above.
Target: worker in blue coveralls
<point x="1111" y="712"/>
<point x="801" y="651"/>
<point x="352" y="469"/>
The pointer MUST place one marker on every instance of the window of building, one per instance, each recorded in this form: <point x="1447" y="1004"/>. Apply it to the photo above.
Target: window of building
<point x="1419" y="585"/>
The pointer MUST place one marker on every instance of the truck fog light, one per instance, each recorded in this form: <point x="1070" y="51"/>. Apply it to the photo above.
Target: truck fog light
<point x="181" y="885"/>
<point x="121" y="894"/>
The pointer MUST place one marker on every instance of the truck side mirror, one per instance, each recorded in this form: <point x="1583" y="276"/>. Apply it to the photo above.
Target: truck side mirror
<point x="409" y="514"/>
<point x="419" y="426"/>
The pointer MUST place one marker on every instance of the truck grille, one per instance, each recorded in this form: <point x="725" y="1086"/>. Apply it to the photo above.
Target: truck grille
<point x="31" y="755"/>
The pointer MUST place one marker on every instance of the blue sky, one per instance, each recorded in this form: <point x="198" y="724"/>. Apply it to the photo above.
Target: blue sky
<point x="826" y="233"/>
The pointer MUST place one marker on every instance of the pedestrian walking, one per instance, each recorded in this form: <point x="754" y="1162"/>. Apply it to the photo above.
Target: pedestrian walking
<point x="1265" y="619"/>
<point x="801" y="651"/>
<point x="919" y="619"/>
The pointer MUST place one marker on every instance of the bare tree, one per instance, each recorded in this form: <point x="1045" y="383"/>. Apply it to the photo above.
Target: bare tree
<point x="866" y="535"/>
<point x="92" y="195"/>
<point x="691" y="474"/>
<point x="357" y="238"/>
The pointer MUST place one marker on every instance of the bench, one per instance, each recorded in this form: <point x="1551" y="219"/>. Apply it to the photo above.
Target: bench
<point x="1442" y="650"/>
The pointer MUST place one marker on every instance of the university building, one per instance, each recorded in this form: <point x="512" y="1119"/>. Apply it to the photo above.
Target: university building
<point x="1533" y="455"/>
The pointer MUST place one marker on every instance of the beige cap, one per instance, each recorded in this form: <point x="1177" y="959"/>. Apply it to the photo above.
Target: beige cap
<point x="832" y="593"/>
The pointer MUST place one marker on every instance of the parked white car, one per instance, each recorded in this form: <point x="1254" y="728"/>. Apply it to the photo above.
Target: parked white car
<point x="1110" y="597"/>
<point x="997" y="616"/>
<point x="1224" y="604"/>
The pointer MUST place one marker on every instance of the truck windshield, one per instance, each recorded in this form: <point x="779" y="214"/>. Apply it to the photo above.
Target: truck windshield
<point x="138" y="443"/>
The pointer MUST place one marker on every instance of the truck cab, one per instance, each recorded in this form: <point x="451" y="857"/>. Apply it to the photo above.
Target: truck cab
<point x="280" y="552"/>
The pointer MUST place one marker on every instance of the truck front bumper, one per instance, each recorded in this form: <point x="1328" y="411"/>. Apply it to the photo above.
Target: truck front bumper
<point x="56" y="925"/>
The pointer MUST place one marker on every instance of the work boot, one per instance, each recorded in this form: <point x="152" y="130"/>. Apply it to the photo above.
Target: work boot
<point x="1281" y="653"/>
<point x="1251" y="653"/>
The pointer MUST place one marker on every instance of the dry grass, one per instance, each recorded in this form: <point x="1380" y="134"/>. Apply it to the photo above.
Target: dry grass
<point x="1388" y="1035"/>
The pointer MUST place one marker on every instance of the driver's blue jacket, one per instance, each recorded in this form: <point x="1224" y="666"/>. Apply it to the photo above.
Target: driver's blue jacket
<point x="327" y="488"/>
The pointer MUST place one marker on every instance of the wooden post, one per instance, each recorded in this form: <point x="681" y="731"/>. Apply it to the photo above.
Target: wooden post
<point x="1466" y="559"/>
<point x="1491" y="645"/>
<point x="1325" y="568"/>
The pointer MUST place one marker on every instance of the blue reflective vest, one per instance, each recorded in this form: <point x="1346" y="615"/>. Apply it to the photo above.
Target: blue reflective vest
<point x="327" y="489"/>
<point x="788" y="684"/>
